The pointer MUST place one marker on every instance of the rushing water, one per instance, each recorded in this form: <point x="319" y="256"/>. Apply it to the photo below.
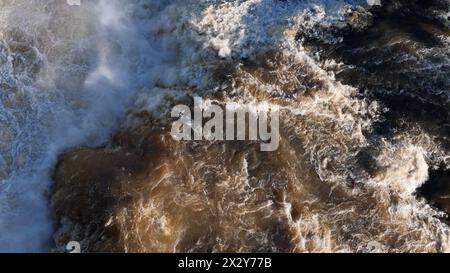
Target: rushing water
<point x="66" y="74"/>
<point x="364" y="157"/>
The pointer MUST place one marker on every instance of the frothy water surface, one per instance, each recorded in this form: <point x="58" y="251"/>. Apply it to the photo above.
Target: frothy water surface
<point x="363" y="88"/>
<point x="67" y="72"/>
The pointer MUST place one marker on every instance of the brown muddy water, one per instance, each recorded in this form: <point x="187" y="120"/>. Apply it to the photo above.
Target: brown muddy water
<point x="364" y="155"/>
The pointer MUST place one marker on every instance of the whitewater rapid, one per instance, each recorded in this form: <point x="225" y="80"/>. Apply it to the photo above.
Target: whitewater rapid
<point x="74" y="73"/>
<point x="67" y="72"/>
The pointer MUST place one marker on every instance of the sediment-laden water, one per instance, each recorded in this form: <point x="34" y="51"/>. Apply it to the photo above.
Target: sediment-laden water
<point x="86" y="92"/>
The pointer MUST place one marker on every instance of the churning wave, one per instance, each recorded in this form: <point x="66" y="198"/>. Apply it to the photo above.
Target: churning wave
<point x="86" y="90"/>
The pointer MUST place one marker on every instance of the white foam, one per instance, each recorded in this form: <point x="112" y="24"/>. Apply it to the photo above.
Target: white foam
<point x="74" y="2"/>
<point x="94" y="58"/>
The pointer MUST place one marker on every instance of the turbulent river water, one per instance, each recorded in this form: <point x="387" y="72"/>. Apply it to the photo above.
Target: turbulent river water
<point x="86" y="90"/>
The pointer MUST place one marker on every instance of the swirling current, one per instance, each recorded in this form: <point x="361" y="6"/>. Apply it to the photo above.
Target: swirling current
<point x="86" y="92"/>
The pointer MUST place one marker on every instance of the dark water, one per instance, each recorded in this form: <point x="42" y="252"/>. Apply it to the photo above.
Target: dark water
<point x="402" y="61"/>
<point x="364" y="157"/>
